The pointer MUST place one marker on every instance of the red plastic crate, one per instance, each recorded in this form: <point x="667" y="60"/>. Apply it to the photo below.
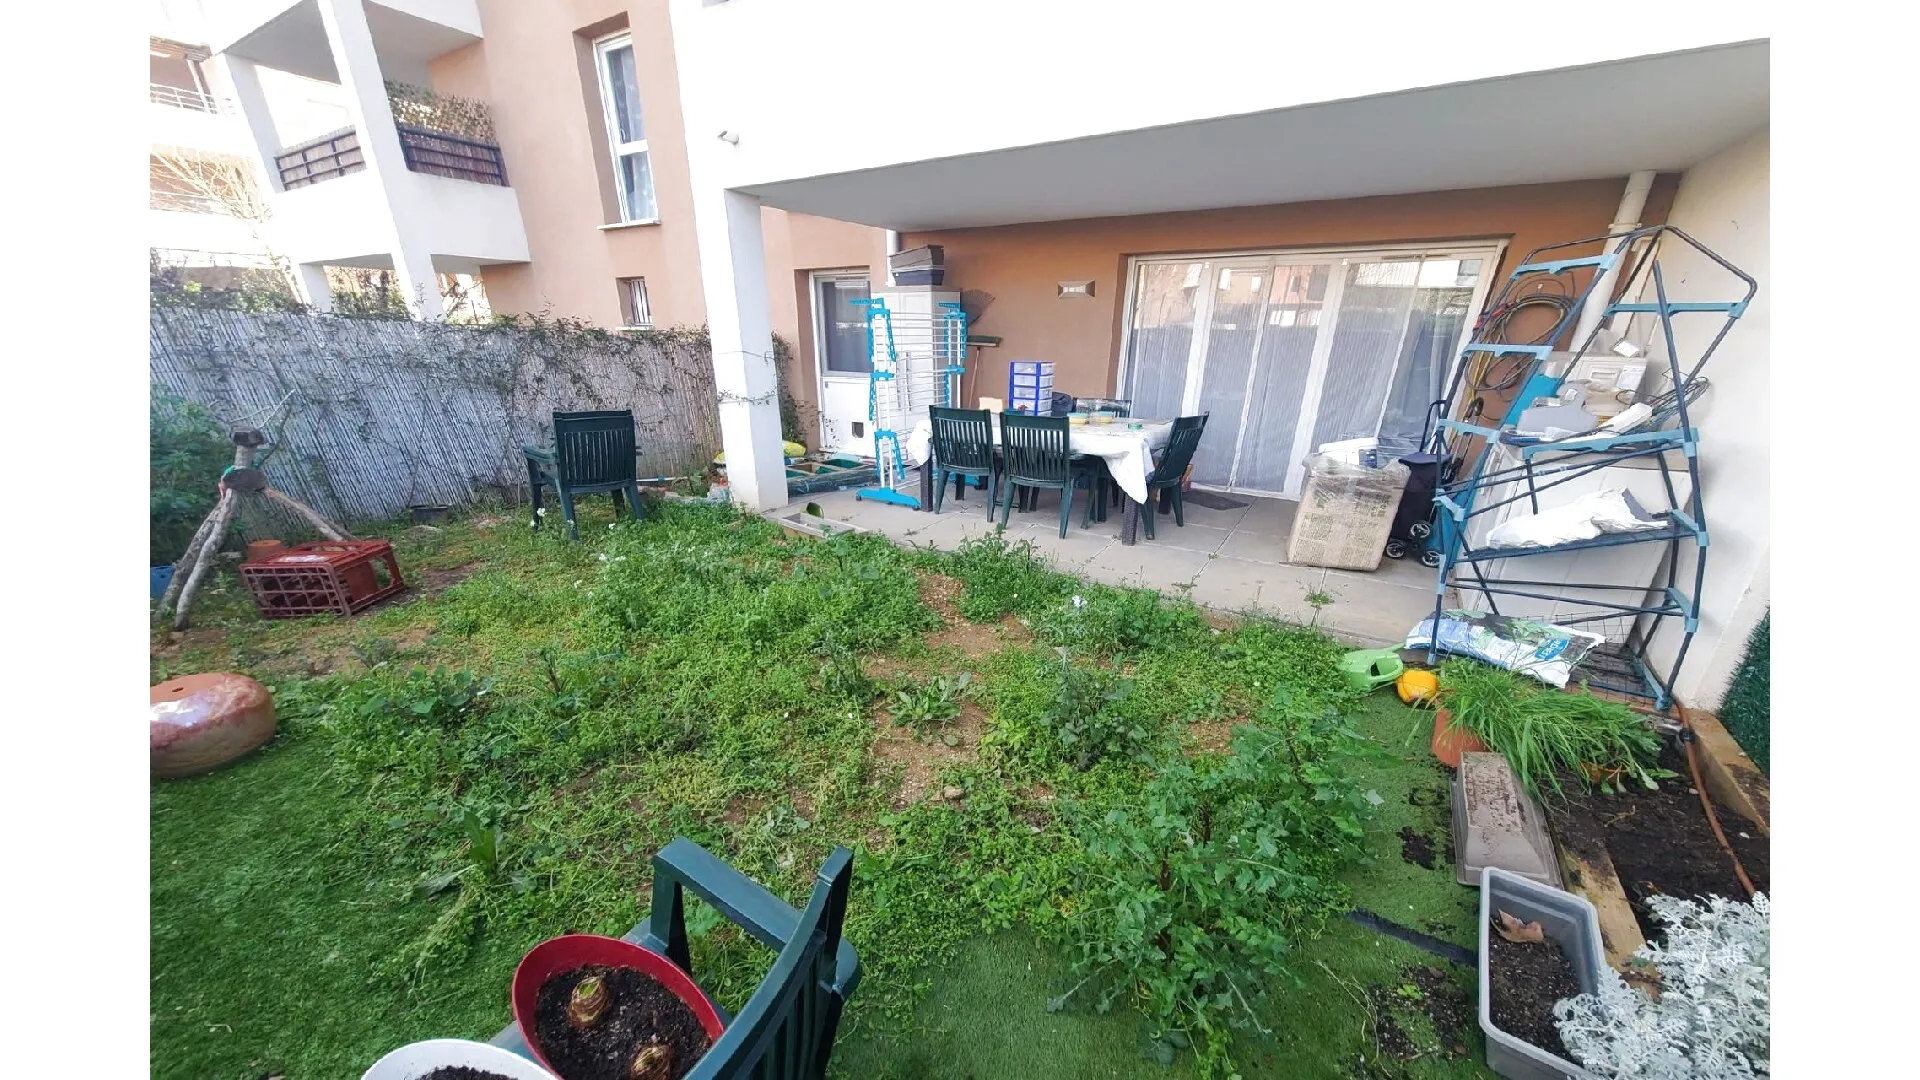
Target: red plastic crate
<point x="334" y="576"/>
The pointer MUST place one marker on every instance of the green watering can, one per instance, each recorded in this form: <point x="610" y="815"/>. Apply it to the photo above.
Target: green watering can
<point x="1366" y="669"/>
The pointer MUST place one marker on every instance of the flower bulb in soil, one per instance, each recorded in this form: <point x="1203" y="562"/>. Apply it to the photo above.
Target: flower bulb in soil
<point x="588" y="1003"/>
<point x="653" y="1062"/>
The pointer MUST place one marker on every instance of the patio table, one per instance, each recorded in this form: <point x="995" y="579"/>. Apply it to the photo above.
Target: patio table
<point x="1128" y="454"/>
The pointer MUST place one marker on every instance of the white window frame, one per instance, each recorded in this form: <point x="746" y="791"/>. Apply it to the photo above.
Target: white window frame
<point x="611" y="117"/>
<point x="636" y="312"/>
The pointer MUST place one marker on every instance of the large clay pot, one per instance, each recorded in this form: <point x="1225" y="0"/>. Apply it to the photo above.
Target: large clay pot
<point x="201" y="722"/>
<point x="1450" y="742"/>
<point x="262" y="550"/>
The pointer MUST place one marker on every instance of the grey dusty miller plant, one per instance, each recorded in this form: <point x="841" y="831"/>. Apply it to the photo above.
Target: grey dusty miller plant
<point x="1711" y="1018"/>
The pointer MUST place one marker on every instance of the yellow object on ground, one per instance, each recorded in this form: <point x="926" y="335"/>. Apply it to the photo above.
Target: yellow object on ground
<point x="1417" y="687"/>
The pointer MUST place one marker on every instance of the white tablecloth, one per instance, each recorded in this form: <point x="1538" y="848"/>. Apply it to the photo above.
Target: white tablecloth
<point x="1128" y="454"/>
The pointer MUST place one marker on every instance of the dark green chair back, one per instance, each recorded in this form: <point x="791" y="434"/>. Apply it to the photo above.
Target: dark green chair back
<point x="595" y="449"/>
<point x="1181" y="444"/>
<point x="787" y="1028"/>
<point x="962" y="439"/>
<point x="1035" y="449"/>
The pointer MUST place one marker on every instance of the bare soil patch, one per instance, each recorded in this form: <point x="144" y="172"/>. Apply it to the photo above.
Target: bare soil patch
<point x="922" y="761"/>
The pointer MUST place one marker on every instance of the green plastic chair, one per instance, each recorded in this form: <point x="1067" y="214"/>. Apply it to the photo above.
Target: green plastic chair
<point x="1035" y="454"/>
<point x="787" y="1029"/>
<point x="963" y="451"/>
<point x="1171" y="469"/>
<point x="592" y="453"/>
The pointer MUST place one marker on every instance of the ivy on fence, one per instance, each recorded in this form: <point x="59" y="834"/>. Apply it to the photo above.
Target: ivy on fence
<point x="422" y="107"/>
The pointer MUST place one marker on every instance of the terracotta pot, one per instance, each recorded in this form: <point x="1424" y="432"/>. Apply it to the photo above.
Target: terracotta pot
<point x="262" y="550"/>
<point x="201" y="722"/>
<point x="1449" y="743"/>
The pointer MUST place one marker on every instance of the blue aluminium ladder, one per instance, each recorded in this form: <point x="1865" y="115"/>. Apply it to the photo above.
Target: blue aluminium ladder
<point x="904" y="383"/>
<point x="1495" y="467"/>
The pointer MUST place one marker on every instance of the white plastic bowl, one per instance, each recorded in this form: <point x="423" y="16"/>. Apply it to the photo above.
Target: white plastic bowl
<point x="415" y="1060"/>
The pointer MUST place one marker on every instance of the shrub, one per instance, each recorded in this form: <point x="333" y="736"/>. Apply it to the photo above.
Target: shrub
<point x="1745" y="711"/>
<point x="1053" y="712"/>
<point x="1194" y="895"/>
<point x="187" y="452"/>
<point x="1710" y="1020"/>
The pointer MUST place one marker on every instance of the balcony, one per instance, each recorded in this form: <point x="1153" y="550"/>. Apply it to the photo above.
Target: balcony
<point x="191" y="100"/>
<point x="444" y="135"/>
<point x="440" y="135"/>
<point x="328" y="157"/>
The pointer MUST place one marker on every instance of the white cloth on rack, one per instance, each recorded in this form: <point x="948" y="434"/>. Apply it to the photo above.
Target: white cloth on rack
<point x="1608" y="511"/>
<point x="1128" y="453"/>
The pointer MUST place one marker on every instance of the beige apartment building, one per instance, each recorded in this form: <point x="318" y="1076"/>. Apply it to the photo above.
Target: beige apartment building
<point x="537" y="147"/>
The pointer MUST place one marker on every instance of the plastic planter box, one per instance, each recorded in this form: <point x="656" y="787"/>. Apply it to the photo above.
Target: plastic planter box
<point x="1569" y="922"/>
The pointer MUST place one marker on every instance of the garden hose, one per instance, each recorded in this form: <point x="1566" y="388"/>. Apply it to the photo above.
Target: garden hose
<point x="1492" y="329"/>
<point x="1687" y="740"/>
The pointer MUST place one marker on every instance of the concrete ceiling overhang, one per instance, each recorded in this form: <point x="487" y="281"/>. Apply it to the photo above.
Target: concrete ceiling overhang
<point x="295" y="40"/>
<point x="1663" y="112"/>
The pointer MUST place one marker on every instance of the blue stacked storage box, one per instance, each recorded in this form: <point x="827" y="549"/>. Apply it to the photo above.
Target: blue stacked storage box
<point x="1030" y="386"/>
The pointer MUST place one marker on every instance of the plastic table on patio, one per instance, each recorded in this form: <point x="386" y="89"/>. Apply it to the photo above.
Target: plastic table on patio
<point x="1127" y="451"/>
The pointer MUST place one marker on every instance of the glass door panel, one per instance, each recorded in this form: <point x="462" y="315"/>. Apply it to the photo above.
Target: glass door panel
<point x="1166" y="300"/>
<point x="1291" y="332"/>
<point x="1239" y="304"/>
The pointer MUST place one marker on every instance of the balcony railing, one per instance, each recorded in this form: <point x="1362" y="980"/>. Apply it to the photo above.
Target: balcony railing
<point x="326" y="158"/>
<point x="445" y="135"/>
<point x="181" y="98"/>
<point x="439" y="154"/>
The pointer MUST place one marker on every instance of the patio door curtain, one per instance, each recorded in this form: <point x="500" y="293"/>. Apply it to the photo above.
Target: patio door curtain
<point x="1287" y="352"/>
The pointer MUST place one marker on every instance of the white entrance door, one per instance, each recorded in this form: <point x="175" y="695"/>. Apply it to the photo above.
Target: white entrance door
<point x="1285" y="352"/>
<point x="843" y="360"/>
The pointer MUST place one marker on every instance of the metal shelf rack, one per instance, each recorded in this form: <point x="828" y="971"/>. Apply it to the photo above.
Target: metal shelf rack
<point x="1496" y="468"/>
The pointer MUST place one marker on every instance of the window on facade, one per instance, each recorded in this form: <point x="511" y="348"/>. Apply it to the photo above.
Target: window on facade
<point x="633" y="302"/>
<point x="626" y="132"/>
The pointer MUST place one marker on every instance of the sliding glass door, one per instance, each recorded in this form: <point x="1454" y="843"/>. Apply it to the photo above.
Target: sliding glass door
<point x="1286" y="352"/>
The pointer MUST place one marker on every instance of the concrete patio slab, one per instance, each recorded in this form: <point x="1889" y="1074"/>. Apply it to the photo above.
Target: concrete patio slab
<point x="1257" y="546"/>
<point x="1149" y="566"/>
<point x="1205" y="539"/>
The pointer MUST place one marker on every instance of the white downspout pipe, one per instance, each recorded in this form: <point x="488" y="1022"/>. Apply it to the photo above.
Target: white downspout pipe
<point x="1625" y="219"/>
<point x="893" y="248"/>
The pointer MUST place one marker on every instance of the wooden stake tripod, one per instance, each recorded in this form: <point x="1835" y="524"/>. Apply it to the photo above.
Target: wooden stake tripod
<point x="242" y="481"/>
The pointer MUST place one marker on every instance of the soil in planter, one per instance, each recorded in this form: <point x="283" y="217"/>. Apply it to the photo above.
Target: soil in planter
<point x="1660" y="841"/>
<point x="463" y="1072"/>
<point x="1526" y="979"/>
<point x="641" y="1010"/>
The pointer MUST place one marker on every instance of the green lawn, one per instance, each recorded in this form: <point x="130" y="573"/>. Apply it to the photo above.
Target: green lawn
<point x="709" y="677"/>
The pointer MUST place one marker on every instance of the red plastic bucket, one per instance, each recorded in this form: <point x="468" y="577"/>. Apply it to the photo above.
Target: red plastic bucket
<point x="555" y="955"/>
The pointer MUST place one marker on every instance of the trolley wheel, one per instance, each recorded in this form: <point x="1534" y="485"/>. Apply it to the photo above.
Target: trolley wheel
<point x="1396" y="549"/>
<point x="1430" y="558"/>
<point x="1420" y="530"/>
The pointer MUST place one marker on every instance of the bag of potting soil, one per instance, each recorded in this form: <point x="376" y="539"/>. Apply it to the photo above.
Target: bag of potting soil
<point x="1545" y="651"/>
